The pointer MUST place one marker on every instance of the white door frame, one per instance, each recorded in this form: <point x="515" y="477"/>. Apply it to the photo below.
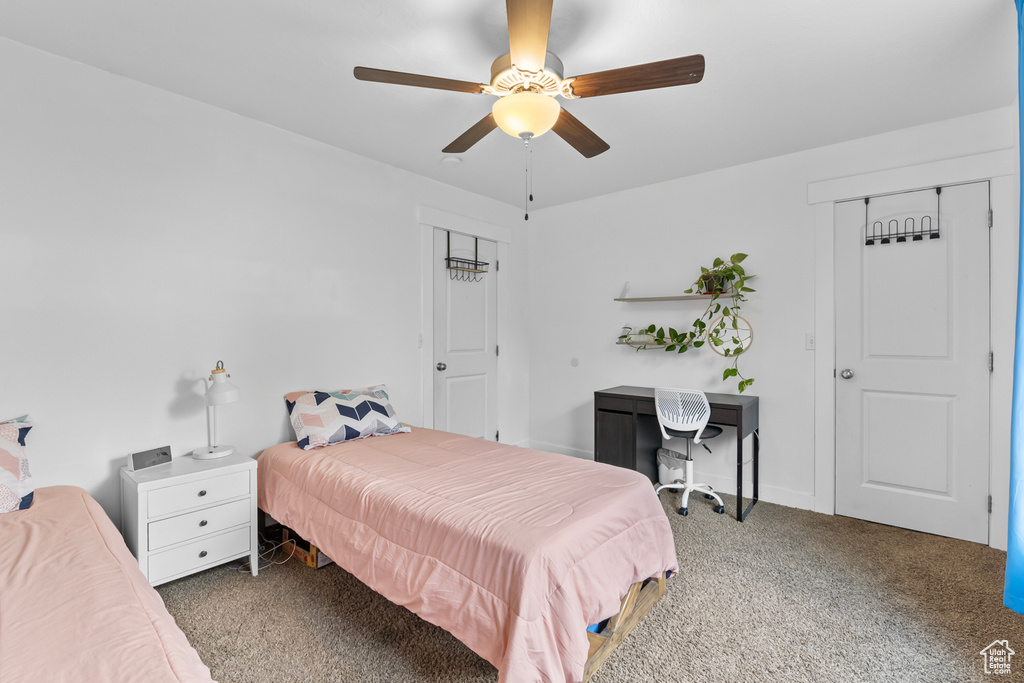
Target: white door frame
<point x="1001" y="169"/>
<point x="430" y="218"/>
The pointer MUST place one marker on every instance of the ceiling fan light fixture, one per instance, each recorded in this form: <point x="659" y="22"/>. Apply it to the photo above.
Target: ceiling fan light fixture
<point x="526" y="114"/>
<point x="507" y="79"/>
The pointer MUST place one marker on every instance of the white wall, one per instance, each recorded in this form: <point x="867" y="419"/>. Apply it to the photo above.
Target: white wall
<point x="118" y="202"/>
<point x="146" y="236"/>
<point x="656" y="237"/>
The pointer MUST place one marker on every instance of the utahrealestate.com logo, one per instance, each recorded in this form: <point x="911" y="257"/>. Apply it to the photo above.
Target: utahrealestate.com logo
<point x="997" y="657"/>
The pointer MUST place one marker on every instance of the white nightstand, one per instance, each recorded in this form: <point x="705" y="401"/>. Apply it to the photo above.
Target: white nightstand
<point x="187" y="515"/>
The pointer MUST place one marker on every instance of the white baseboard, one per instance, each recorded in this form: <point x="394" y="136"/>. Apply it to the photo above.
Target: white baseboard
<point x="769" y="494"/>
<point x="564" y="450"/>
<point x="826" y="506"/>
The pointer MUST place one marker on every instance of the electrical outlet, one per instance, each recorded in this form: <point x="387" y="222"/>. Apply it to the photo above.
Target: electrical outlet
<point x="809" y="341"/>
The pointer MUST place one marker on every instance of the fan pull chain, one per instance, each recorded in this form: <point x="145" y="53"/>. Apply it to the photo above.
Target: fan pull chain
<point x="528" y="187"/>
<point x="530" y="174"/>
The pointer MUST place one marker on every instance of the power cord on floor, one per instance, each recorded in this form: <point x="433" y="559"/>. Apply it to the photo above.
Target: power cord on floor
<point x="757" y="434"/>
<point x="265" y="555"/>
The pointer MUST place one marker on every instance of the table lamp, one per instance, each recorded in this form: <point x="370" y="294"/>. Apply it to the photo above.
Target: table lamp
<point x="219" y="392"/>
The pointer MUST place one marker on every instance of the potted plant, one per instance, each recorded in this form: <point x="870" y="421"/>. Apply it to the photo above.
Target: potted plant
<point x="711" y="281"/>
<point x="719" y="324"/>
<point x="722" y="277"/>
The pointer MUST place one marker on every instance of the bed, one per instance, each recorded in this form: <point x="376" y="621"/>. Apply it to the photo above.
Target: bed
<point x="513" y="551"/>
<point x="74" y="605"/>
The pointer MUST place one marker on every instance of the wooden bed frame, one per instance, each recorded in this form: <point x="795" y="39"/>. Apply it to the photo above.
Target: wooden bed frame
<point x="635" y="605"/>
<point x="530" y="649"/>
<point x="637" y="602"/>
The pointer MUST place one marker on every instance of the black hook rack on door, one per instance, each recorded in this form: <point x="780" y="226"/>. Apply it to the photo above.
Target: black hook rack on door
<point x="464" y="269"/>
<point x="885" y="234"/>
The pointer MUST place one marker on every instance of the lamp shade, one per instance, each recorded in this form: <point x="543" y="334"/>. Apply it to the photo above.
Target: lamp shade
<point x="526" y="114"/>
<point x="220" y="391"/>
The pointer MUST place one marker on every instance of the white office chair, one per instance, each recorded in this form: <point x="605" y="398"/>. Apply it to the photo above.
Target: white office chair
<point x="684" y="414"/>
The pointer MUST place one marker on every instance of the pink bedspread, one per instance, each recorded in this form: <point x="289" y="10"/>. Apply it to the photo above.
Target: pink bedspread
<point x="513" y="551"/>
<point x="73" y="604"/>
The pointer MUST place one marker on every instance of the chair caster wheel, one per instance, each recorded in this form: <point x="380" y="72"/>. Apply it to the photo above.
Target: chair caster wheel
<point x="684" y="511"/>
<point x="673" y="490"/>
<point x="720" y="509"/>
<point x="708" y="496"/>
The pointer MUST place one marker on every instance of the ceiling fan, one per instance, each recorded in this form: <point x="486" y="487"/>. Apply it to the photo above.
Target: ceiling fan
<point x="528" y="79"/>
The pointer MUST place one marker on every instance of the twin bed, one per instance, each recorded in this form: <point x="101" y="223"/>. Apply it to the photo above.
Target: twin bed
<point x="514" y="551"/>
<point x="74" y="606"/>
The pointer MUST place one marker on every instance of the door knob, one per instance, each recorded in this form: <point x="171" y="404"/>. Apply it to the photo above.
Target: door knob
<point x="442" y="367"/>
<point x="846" y="374"/>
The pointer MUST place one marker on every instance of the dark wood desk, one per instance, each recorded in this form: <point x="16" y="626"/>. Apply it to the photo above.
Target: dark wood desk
<point x="626" y="431"/>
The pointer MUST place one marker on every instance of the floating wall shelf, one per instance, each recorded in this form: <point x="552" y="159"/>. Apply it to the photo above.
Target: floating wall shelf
<point x="680" y="297"/>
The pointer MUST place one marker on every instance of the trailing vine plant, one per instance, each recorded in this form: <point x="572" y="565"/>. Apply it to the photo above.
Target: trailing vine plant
<point x="719" y="325"/>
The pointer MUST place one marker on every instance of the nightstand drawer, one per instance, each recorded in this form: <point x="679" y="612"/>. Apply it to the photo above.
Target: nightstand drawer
<point x="205" y="552"/>
<point x="193" y="494"/>
<point x="199" y="523"/>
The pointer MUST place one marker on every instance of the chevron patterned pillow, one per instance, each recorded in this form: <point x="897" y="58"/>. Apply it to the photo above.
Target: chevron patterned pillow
<point x="320" y="418"/>
<point x="16" y="489"/>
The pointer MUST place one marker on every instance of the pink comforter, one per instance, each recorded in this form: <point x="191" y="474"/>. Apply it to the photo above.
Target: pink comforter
<point x="513" y="551"/>
<point x="73" y="604"/>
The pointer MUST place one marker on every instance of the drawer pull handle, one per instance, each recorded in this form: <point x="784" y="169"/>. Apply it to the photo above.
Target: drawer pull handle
<point x="202" y="493"/>
<point x="203" y="523"/>
<point x="202" y="554"/>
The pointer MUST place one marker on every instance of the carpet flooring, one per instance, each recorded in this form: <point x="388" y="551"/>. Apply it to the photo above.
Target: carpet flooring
<point x="788" y="595"/>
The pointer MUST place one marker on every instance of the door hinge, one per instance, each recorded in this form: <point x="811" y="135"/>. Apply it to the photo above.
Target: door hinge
<point x="990" y="218"/>
<point x="497" y="264"/>
<point x="991" y="361"/>
<point x="497" y="435"/>
<point x="990" y="502"/>
<point x="496" y="351"/>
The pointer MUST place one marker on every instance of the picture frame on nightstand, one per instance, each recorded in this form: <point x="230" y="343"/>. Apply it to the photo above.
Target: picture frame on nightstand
<point x="143" y="459"/>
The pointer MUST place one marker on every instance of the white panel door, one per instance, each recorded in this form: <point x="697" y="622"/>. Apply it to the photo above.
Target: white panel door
<point x="912" y="374"/>
<point x="465" y="339"/>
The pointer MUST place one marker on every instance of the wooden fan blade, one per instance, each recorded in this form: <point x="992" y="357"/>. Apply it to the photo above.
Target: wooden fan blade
<point x="583" y="140"/>
<point x="678" y="71"/>
<point x="528" y="25"/>
<point x="472" y="136"/>
<point x="364" y="73"/>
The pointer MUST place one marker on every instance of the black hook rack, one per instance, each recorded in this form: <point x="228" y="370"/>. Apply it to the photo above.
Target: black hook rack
<point x="464" y="269"/>
<point x="915" y="230"/>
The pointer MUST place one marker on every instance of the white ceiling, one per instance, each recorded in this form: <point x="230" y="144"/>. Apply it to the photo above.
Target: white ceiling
<point x="781" y="76"/>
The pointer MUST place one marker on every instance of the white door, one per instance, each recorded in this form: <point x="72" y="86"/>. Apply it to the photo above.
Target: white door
<point x="465" y="337"/>
<point x="912" y="362"/>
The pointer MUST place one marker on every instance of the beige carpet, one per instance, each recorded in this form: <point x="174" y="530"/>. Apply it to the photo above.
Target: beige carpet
<point x="788" y="595"/>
